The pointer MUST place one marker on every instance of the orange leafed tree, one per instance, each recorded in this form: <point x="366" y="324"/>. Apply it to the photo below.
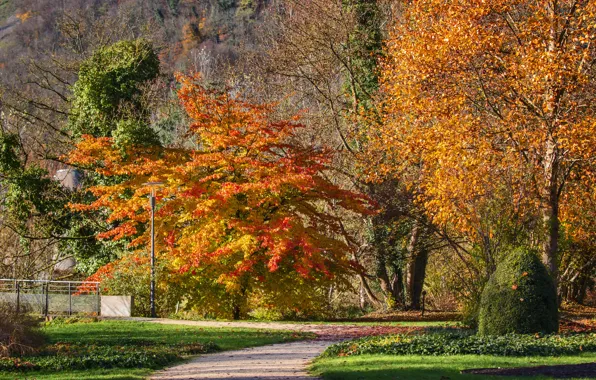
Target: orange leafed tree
<point x="493" y="101"/>
<point x="243" y="199"/>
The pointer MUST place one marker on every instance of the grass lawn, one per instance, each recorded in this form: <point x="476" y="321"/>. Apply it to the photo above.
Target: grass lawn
<point x="364" y="367"/>
<point x="380" y="323"/>
<point x="355" y="322"/>
<point x="90" y="374"/>
<point x="94" y="341"/>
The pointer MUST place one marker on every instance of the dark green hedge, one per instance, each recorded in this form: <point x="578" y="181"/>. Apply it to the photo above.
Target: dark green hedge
<point x="62" y="356"/>
<point x="466" y="343"/>
<point x="520" y="297"/>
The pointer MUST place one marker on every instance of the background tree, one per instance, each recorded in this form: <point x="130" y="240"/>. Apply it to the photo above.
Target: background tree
<point x="325" y="56"/>
<point x="107" y="94"/>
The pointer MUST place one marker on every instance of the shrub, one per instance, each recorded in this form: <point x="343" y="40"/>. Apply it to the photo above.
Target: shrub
<point x="17" y="333"/>
<point x="520" y="297"/>
<point x="66" y="356"/>
<point x="466" y="343"/>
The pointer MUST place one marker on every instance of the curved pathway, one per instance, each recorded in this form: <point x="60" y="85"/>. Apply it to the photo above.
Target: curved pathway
<point x="276" y="361"/>
<point x="284" y="361"/>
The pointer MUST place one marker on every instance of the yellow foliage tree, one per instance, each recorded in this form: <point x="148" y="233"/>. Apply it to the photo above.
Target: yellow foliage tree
<point x="492" y="101"/>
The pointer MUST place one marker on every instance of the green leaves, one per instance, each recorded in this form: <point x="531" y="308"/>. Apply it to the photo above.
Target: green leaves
<point x="519" y="297"/>
<point x="465" y="343"/>
<point x="62" y="356"/>
<point x="9" y="153"/>
<point x="108" y="91"/>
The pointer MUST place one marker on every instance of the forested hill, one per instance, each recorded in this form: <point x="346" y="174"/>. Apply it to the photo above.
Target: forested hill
<point x="32" y="29"/>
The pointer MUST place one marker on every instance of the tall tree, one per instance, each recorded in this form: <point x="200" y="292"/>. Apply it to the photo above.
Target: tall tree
<point x="245" y="204"/>
<point x="325" y="54"/>
<point x="494" y="102"/>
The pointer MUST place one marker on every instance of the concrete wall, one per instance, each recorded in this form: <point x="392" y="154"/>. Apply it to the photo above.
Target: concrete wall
<point x="116" y="306"/>
<point x="57" y="303"/>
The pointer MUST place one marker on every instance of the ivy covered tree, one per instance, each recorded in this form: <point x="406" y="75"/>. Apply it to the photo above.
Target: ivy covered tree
<point x="107" y="98"/>
<point x="34" y="215"/>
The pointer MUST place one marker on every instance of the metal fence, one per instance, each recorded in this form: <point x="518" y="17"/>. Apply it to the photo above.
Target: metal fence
<point x="51" y="297"/>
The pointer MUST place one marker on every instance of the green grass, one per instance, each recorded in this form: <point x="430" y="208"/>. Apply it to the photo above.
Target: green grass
<point x="119" y="332"/>
<point x="339" y="323"/>
<point x="364" y="367"/>
<point x="96" y="374"/>
<point x="356" y="323"/>
<point x="112" y="336"/>
<point x="6" y="9"/>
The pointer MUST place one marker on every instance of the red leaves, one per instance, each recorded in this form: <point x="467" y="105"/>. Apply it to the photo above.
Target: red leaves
<point x="126" y="229"/>
<point x="170" y="240"/>
<point x="246" y="203"/>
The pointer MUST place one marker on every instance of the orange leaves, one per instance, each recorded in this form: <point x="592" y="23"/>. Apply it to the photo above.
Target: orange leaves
<point x="247" y="202"/>
<point x="24" y="16"/>
<point x="475" y="93"/>
<point x="119" y="232"/>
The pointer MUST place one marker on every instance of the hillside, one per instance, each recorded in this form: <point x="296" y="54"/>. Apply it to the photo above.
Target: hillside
<point x="35" y="29"/>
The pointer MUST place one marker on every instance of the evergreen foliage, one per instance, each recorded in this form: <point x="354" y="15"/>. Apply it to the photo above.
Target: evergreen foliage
<point x="520" y="297"/>
<point x="465" y="343"/>
<point x="106" y="97"/>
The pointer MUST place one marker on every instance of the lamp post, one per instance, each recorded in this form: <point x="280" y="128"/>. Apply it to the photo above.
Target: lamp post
<point x="154" y="186"/>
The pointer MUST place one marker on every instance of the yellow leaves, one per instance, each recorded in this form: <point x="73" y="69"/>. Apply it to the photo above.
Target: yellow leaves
<point x="246" y="202"/>
<point x="24" y="16"/>
<point x="468" y="93"/>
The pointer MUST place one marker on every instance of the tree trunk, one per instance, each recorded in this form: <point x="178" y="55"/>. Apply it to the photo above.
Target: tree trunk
<point x="384" y="282"/>
<point x="550" y="189"/>
<point x="417" y="275"/>
<point x="550" y="210"/>
<point x="236" y="312"/>
<point x="369" y="293"/>
<point x="362" y="298"/>
<point x="397" y="286"/>
<point x="416" y="270"/>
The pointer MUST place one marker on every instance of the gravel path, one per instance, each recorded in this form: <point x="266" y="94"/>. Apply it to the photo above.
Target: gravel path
<point x="273" y="362"/>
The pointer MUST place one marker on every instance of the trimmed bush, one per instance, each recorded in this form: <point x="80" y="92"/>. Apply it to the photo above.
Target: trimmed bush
<point x="520" y="297"/>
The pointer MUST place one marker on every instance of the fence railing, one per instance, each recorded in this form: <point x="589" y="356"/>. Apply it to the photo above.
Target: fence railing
<point x="51" y="297"/>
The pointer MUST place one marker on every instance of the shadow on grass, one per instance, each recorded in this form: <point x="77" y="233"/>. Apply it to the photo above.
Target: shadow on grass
<point x="380" y="367"/>
<point x="140" y="333"/>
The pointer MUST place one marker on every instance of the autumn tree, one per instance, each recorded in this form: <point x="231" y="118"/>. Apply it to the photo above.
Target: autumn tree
<point x="242" y="204"/>
<point x="324" y="57"/>
<point x="494" y="102"/>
